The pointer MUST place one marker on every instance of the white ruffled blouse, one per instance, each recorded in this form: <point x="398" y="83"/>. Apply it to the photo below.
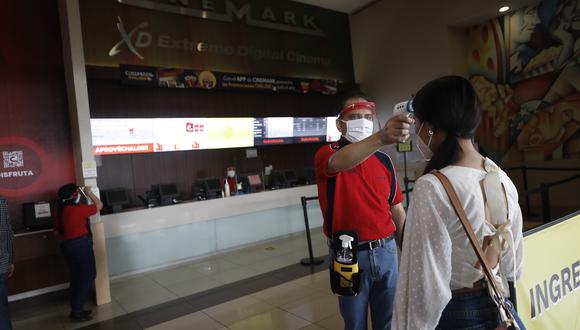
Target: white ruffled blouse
<point x="437" y="256"/>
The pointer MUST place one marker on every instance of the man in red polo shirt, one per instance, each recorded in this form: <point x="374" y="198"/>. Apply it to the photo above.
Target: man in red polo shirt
<point x="358" y="191"/>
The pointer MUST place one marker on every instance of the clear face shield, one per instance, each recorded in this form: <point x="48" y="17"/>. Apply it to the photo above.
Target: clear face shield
<point x="358" y="121"/>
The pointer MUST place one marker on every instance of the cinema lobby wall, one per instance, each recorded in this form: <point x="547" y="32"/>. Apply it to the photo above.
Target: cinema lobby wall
<point x="36" y="95"/>
<point x="269" y="214"/>
<point x="396" y="47"/>
<point x="35" y="120"/>
<point x="426" y="46"/>
<point x="110" y="99"/>
<point x="194" y="229"/>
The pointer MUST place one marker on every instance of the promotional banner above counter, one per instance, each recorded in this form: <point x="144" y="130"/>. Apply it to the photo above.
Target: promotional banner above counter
<point x="203" y="79"/>
<point x="284" y="38"/>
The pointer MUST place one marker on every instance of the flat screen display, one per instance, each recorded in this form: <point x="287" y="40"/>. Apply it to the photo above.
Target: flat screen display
<point x="273" y="130"/>
<point x="116" y="197"/>
<point x="230" y="133"/>
<point x="122" y="136"/>
<point x="213" y="184"/>
<point x="144" y="135"/>
<point x="309" y="126"/>
<point x="37" y="215"/>
<point x="168" y="189"/>
<point x="288" y="130"/>
<point x="290" y="175"/>
<point x="176" y="134"/>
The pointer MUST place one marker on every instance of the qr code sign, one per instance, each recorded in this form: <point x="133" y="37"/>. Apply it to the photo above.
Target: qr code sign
<point x="13" y="159"/>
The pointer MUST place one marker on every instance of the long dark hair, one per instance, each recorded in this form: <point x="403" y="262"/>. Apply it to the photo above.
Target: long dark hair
<point x="450" y="104"/>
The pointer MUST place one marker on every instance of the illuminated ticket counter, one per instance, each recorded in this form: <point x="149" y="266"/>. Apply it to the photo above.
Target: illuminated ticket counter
<point x="143" y="239"/>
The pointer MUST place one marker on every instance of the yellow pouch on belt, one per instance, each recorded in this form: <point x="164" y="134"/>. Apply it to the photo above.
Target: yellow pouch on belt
<point x="344" y="272"/>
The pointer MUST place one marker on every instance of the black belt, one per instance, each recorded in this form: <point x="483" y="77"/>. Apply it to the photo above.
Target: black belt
<point x="370" y="245"/>
<point x="72" y="240"/>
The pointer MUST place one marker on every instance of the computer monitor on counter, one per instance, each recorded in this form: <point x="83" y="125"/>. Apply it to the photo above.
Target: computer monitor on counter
<point x="168" y="193"/>
<point x="115" y="199"/>
<point x="213" y="188"/>
<point x="38" y="215"/>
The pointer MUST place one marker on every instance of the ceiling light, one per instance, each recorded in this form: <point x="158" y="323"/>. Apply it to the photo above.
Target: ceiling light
<point x="504" y="9"/>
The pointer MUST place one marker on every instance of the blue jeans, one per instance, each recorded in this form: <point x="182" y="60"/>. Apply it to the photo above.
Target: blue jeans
<point x="377" y="289"/>
<point x="5" y="323"/>
<point x="470" y="311"/>
<point x="80" y="259"/>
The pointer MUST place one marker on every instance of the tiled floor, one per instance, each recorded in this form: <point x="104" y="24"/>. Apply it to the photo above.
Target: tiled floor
<point x="257" y="287"/>
<point x="304" y="302"/>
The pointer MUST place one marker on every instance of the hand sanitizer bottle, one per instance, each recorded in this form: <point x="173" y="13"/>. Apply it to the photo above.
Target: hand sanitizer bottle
<point x="345" y="255"/>
<point x="227" y="188"/>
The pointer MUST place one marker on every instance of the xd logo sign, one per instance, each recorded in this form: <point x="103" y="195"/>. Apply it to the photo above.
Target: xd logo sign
<point x="142" y="40"/>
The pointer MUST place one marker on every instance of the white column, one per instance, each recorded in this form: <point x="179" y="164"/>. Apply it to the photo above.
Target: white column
<point x="80" y="124"/>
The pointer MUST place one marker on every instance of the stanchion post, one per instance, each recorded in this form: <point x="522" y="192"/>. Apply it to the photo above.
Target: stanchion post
<point x="406" y="179"/>
<point x="545" y="192"/>
<point x="525" y="175"/>
<point x="310" y="261"/>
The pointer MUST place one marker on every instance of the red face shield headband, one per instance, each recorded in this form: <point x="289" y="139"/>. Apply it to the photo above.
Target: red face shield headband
<point x="358" y="106"/>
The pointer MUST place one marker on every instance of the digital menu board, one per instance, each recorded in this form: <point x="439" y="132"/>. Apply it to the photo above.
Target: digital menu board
<point x="126" y="136"/>
<point x="143" y="135"/>
<point x="230" y="133"/>
<point x="122" y="136"/>
<point x="309" y="129"/>
<point x="273" y="130"/>
<point x="286" y="130"/>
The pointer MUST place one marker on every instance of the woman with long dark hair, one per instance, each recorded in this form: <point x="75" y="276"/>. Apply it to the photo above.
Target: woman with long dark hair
<point x="77" y="244"/>
<point x="441" y="285"/>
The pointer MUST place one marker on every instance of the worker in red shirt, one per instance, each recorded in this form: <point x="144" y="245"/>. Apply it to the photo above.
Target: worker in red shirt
<point x="77" y="244"/>
<point x="358" y="191"/>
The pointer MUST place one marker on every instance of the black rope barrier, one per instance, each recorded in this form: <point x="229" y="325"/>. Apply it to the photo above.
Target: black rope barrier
<point x="544" y="190"/>
<point x="311" y="260"/>
<point x="527" y="190"/>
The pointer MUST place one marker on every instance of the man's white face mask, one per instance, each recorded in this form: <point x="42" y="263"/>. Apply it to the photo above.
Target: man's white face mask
<point x="358" y="129"/>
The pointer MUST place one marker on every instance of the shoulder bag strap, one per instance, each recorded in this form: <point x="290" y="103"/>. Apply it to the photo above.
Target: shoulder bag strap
<point x="468" y="230"/>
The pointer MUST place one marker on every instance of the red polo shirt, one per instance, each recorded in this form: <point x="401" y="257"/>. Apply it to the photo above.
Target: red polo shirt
<point x="358" y="199"/>
<point x="75" y="220"/>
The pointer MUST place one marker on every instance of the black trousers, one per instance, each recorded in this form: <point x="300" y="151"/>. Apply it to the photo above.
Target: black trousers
<point x="80" y="259"/>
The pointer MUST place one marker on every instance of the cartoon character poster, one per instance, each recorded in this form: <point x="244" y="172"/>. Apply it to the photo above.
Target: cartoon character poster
<point x="525" y="67"/>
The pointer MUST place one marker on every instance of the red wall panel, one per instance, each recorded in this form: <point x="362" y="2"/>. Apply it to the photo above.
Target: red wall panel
<point x="33" y="105"/>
